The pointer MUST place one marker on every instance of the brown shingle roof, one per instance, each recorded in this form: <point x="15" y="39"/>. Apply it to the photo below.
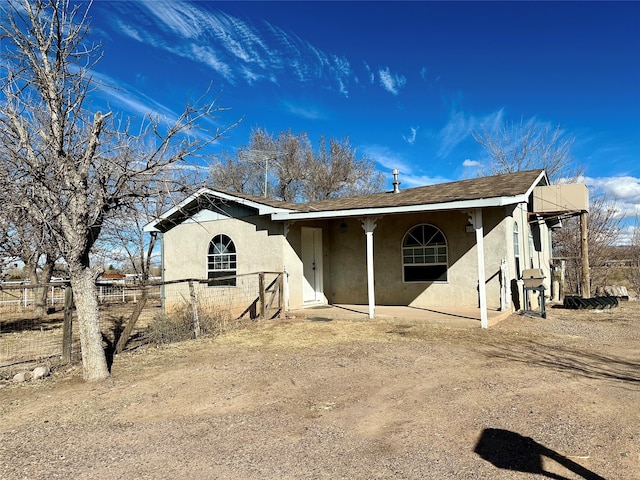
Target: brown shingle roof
<point x="497" y="186"/>
<point x="261" y="200"/>
<point x="504" y="185"/>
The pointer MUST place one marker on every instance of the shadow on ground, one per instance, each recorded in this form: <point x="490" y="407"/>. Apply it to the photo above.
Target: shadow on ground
<point x="511" y="451"/>
<point x="564" y="359"/>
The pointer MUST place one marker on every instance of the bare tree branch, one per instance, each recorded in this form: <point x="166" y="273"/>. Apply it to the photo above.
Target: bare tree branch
<point x="288" y="168"/>
<point x="73" y="169"/>
<point x="527" y="146"/>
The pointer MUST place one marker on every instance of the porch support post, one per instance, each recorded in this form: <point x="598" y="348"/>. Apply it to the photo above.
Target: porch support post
<point x="369" y="225"/>
<point x="482" y="289"/>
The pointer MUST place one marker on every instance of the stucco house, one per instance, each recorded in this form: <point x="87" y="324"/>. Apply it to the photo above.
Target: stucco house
<point x="461" y="244"/>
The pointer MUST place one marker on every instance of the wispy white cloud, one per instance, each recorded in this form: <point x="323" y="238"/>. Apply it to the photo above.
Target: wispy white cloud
<point x="458" y="128"/>
<point x="176" y="17"/>
<point x="411" y="139"/>
<point x="423" y="180"/>
<point x="392" y="83"/>
<point x="237" y="49"/>
<point x="130" y="31"/>
<point x="370" y="73"/>
<point x="492" y="122"/>
<point x="206" y="55"/>
<point x="134" y="101"/>
<point x="388" y="160"/>
<point x="305" y="111"/>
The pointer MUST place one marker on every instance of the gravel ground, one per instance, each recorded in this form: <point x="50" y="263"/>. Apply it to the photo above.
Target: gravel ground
<point x="381" y="399"/>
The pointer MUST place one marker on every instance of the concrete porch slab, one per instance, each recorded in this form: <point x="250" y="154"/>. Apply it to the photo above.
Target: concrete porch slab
<point x="452" y="316"/>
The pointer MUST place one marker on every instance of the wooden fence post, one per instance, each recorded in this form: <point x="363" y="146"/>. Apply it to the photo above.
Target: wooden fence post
<point x="263" y="307"/>
<point x="124" y="336"/>
<point x="194" y="309"/>
<point x="281" y="294"/>
<point x="67" y="327"/>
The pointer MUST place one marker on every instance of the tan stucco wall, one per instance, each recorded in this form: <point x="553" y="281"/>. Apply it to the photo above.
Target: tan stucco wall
<point x="348" y="281"/>
<point x="259" y="245"/>
<point x="262" y="246"/>
<point x="536" y="257"/>
<point x="258" y="249"/>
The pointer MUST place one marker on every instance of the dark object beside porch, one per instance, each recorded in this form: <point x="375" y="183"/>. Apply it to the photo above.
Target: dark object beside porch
<point x="577" y="302"/>
<point x="533" y="279"/>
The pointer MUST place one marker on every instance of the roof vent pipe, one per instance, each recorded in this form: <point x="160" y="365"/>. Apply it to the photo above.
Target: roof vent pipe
<point x="396" y="182"/>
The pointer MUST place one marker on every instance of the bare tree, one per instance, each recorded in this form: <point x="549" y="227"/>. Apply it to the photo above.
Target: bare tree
<point x="28" y="242"/>
<point x="287" y="168"/>
<point x="604" y="230"/>
<point x="524" y="146"/>
<point x="79" y="166"/>
<point x="527" y="146"/>
<point x="338" y="172"/>
<point x="232" y="172"/>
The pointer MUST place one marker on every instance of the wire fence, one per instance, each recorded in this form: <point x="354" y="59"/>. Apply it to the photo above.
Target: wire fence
<point x="39" y="324"/>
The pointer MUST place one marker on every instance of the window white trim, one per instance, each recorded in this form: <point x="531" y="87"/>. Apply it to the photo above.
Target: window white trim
<point x="222" y="260"/>
<point x="424" y="250"/>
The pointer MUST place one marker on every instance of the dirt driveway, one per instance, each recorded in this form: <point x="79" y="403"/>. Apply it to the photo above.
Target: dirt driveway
<point x="347" y="399"/>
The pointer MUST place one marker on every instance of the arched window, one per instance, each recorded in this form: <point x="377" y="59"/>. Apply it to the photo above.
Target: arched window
<point x="516" y="247"/>
<point x="221" y="261"/>
<point x="424" y="255"/>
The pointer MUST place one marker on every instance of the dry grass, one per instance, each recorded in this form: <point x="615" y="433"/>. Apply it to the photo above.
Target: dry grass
<point x="372" y="399"/>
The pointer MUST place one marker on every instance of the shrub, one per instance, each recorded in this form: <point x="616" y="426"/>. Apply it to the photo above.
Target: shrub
<point x="177" y="325"/>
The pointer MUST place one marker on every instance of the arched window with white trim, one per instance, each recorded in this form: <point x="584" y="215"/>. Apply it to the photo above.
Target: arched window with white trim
<point x="424" y="255"/>
<point x="221" y="261"/>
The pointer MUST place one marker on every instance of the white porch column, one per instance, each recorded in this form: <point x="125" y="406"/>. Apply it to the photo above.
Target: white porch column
<point x="369" y="225"/>
<point x="482" y="288"/>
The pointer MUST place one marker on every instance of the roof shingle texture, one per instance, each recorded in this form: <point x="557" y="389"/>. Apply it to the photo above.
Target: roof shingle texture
<point x="505" y="185"/>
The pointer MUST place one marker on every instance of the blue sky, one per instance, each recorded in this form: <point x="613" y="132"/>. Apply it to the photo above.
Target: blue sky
<point x="407" y="82"/>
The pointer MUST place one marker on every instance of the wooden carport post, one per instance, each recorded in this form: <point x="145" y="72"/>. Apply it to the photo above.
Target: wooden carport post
<point x="585" y="280"/>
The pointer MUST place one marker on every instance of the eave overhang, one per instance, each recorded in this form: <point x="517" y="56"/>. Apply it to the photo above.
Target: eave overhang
<point x="173" y="214"/>
<point x="379" y="211"/>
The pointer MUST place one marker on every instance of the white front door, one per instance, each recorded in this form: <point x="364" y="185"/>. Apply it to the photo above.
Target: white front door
<point x="312" y="291"/>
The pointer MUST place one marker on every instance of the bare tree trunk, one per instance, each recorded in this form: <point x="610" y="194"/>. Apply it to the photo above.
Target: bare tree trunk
<point x="38" y="283"/>
<point x="94" y="360"/>
<point x="41" y="292"/>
